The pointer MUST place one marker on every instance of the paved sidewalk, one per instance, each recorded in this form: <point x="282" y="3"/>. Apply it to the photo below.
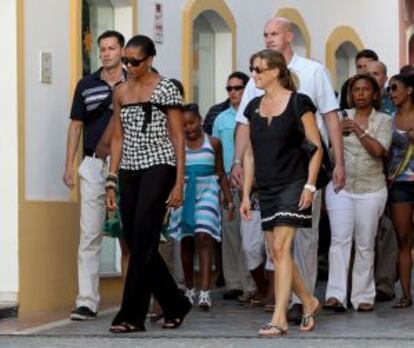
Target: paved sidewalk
<point x="228" y="324"/>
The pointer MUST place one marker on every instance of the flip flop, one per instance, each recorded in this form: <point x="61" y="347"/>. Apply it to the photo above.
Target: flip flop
<point x="176" y="322"/>
<point x="308" y="319"/>
<point x="271" y="330"/>
<point x="125" y="328"/>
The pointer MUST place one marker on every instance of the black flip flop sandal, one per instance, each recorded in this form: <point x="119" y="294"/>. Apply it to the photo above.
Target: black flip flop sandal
<point x="125" y="328"/>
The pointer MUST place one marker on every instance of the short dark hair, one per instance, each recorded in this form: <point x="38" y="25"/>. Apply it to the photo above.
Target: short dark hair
<point x="193" y="108"/>
<point x="366" y="53"/>
<point x="112" y="33"/>
<point x="407" y="70"/>
<point x="179" y="86"/>
<point x="239" y="75"/>
<point x="143" y="42"/>
<point x="376" y="103"/>
<point x="406" y="80"/>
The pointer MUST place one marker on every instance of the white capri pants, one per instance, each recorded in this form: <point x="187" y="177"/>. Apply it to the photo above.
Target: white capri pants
<point x="353" y="217"/>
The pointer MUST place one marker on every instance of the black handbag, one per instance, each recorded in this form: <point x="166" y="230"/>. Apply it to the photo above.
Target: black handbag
<point x="325" y="171"/>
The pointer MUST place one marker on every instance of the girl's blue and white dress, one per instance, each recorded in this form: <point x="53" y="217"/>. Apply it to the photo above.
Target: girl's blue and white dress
<point x="200" y="211"/>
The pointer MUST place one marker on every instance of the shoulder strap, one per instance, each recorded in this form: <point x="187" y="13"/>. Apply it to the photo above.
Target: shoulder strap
<point x="296" y="108"/>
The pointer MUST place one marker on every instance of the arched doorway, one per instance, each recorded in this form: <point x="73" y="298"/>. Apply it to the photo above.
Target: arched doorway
<point x="345" y="63"/>
<point x="341" y="47"/>
<point x="209" y="50"/>
<point x="212" y="59"/>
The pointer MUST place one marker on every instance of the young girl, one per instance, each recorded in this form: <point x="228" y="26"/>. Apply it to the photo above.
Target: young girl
<point x="198" y="221"/>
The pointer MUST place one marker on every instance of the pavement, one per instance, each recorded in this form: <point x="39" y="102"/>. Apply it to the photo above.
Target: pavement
<point x="228" y="324"/>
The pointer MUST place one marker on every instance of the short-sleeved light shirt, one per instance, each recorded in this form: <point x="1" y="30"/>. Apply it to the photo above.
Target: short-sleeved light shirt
<point x="223" y="128"/>
<point x="314" y="81"/>
<point x="364" y="172"/>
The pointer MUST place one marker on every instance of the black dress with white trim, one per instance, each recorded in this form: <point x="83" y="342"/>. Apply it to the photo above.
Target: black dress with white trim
<point x="281" y="165"/>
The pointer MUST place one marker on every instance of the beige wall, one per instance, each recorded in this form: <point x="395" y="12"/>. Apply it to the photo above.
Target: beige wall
<point x="48" y="230"/>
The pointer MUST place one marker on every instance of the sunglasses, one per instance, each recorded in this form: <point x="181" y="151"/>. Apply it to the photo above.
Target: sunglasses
<point x="132" y="61"/>
<point x="391" y="88"/>
<point x="234" y="88"/>
<point x="257" y="70"/>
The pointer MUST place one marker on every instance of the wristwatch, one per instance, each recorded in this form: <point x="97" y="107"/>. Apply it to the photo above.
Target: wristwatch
<point x="237" y="161"/>
<point x="309" y="187"/>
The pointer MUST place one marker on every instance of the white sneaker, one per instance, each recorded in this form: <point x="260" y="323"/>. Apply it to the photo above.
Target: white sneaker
<point x="190" y="294"/>
<point x="204" y="300"/>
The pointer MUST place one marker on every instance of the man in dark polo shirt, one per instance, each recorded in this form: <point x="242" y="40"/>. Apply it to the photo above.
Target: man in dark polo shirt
<point x="90" y="114"/>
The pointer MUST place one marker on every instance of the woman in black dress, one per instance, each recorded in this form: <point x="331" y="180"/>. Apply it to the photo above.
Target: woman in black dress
<point x="148" y="149"/>
<point x="279" y="123"/>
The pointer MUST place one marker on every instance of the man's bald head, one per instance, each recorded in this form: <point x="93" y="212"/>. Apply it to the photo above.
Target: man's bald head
<point x="282" y="22"/>
<point x="378" y="71"/>
<point x="278" y="34"/>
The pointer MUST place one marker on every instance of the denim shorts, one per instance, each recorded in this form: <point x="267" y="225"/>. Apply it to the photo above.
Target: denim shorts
<point x="401" y="192"/>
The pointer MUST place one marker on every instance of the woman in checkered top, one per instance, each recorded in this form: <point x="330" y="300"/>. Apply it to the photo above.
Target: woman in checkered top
<point x="148" y="150"/>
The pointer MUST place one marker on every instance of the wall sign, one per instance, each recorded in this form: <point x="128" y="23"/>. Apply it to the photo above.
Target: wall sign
<point x="158" y="24"/>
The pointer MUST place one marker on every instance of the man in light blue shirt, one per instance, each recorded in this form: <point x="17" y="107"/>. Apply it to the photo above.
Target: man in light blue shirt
<point x="225" y="123"/>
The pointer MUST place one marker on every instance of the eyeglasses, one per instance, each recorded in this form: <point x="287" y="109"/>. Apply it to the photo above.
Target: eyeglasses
<point x="257" y="70"/>
<point x="234" y="88"/>
<point x="134" y="62"/>
<point x="391" y="88"/>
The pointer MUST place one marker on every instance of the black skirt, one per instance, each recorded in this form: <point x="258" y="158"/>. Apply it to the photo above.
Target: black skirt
<point x="279" y="206"/>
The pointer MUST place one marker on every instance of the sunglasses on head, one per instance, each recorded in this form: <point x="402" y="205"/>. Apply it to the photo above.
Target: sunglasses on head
<point x="258" y="70"/>
<point x="132" y="61"/>
<point x="234" y="88"/>
<point x="391" y="88"/>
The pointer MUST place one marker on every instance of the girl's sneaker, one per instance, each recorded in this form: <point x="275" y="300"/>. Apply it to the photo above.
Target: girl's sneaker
<point x="190" y="294"/>
<point x="204" y="300"/>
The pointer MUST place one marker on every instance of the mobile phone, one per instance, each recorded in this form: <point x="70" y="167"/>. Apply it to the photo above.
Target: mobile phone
<point x="345" y="115"/>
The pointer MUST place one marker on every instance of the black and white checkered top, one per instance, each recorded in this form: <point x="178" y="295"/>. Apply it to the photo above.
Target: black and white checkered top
<point x="146" y="141"/>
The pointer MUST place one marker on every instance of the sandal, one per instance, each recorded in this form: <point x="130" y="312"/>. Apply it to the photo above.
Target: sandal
<point x="333" y="304"/>
<point x="271" y="330"/>
<point x="308" y="319"/>
<point x="126" y="328"/>
<point x="404" y="302"/>
<point x="155" y="318"/>
<point x="177" y="321"/>
<point x="365" y="307"/>
<point x="254" y="302"/>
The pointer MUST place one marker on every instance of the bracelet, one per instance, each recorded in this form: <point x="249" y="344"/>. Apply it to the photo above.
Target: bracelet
<point x="112" y="177"/>
<point x="309" y="187"/>
<point x="110" y="185"/>
<point x="237" y="161"/>
<point x="362" y="135"/>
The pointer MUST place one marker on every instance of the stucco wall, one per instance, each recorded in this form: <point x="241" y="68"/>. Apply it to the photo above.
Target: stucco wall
<point x="8" y="151"/>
